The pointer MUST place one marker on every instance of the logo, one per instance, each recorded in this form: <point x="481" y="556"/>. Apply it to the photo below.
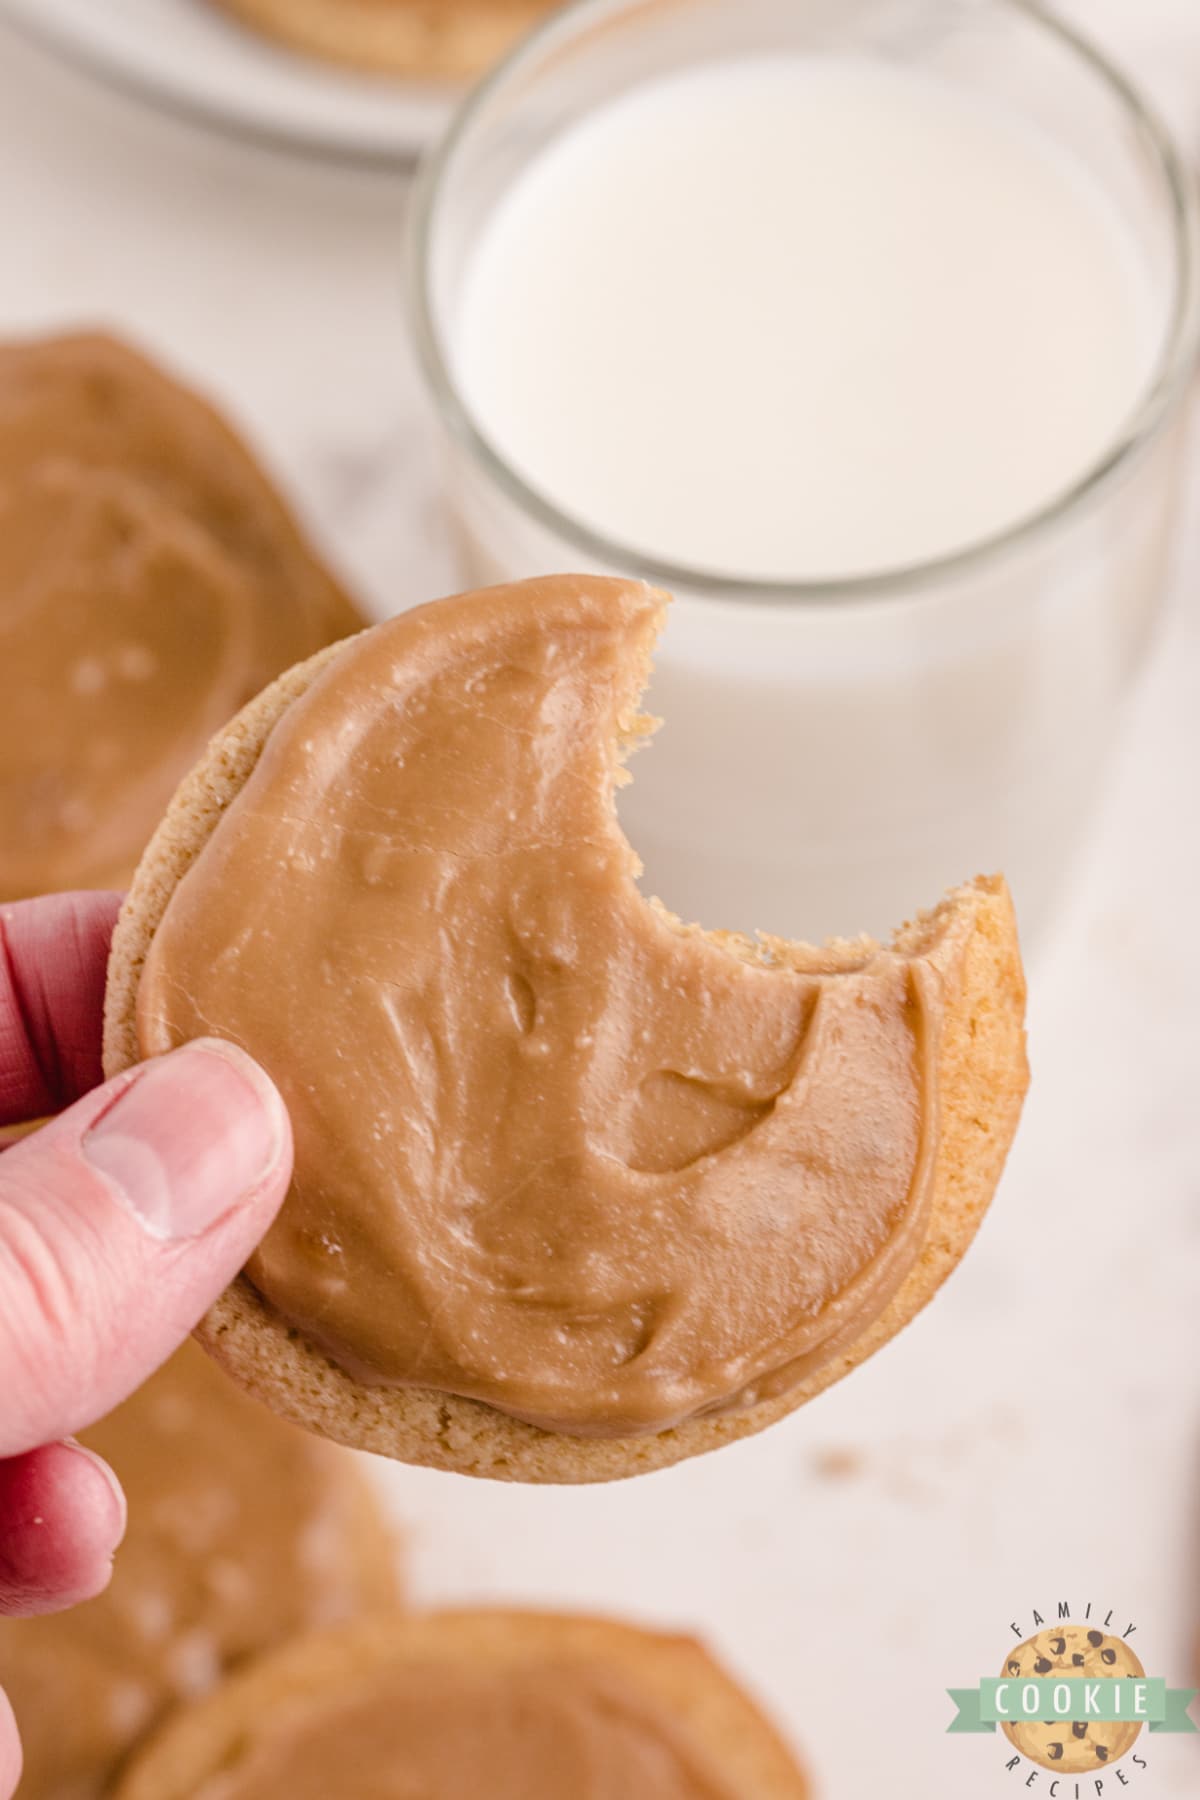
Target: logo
<point x="1073" y="1697"/>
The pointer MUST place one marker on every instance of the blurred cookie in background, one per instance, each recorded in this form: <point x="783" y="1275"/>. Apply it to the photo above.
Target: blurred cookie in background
<point x="151" y="581"/>
<point x="438" y="39"/>
<point x="125" y="637"/>
<point x="243" y="1531"/>
<point x="483" y="1705"/>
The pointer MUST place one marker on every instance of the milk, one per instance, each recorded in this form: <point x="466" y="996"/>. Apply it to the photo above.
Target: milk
<point x="803" y="318"/>
<point x="809" y="319"/>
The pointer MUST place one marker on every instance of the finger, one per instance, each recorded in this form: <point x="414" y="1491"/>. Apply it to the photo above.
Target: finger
<point x="53" y="956"/>
<point x="62" y="1515"/>
<point x="121" y="1222"/>
<point x="10" y="1750"/>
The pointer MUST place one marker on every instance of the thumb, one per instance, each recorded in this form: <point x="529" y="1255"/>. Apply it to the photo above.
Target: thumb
<point x="121" y="1222"/>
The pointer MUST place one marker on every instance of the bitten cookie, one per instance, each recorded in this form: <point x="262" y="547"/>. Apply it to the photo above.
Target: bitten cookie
<point x="580" y="1190"/>
<point x="242" y="1532"/>
<point x="151" y="581"/>
<point x="1075" y="1747"/>
<point x="433" y="39"/>
<point x="474" y="1706"/>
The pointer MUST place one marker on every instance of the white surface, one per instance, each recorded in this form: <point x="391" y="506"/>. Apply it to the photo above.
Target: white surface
<point x="832" y="348"/>
<point x="1037" y="1433"/>
<point x="189" y="57"/>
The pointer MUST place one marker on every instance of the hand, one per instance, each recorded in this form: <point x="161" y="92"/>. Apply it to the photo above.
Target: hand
<point x="120" y="1223"/>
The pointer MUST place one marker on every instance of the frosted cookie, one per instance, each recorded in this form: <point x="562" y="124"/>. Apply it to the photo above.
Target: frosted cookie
<point x="580" y="1190"/>
<point x="1076" y="1747"/>
<point x="151" y="581"/>
<point x="242" y="1532"/>
<point x="430" y="38"/>
<point x="474" y="1706"/>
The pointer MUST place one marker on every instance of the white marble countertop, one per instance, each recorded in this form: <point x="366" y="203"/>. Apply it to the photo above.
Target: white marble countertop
<point x="1036" y="1435"/>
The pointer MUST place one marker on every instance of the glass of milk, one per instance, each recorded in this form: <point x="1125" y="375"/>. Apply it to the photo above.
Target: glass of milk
<point x="863" y="326"/>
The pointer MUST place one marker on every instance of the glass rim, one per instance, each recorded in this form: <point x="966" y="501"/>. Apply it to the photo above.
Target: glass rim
<point x="1161" y="394"/>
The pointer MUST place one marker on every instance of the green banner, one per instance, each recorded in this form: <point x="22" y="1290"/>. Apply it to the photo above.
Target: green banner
<point x="999" y="1700"/>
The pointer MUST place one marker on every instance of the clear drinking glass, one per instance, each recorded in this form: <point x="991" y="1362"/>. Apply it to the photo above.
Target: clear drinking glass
<point x="836" y="753"/>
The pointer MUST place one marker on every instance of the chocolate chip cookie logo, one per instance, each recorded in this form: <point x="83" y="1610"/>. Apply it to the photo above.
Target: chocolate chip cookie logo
<point x="1074" y="1698"/>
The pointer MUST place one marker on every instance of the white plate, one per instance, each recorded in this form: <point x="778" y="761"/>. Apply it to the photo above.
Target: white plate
<point x="185" y="56"/>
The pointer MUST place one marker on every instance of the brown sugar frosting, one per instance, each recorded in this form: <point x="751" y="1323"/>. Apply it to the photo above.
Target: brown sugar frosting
<point x="102" y="589"/>
<point x="534" y="1733"/>
<point x="474" y="1706"/>
<point x="93" y="401"/>
<point x="242" y="1531"/>
<point x="151" y="581"/>
<point x="556" y="1153"/>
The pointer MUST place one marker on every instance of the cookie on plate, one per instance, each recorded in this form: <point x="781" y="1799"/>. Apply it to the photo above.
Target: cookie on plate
<point x="581" y="1190"/>
<point x="432" y="39"/>
<point x="474" y="1706"/>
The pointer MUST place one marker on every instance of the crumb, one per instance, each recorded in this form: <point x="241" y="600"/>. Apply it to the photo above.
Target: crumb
<point x="839" y="1463"/>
